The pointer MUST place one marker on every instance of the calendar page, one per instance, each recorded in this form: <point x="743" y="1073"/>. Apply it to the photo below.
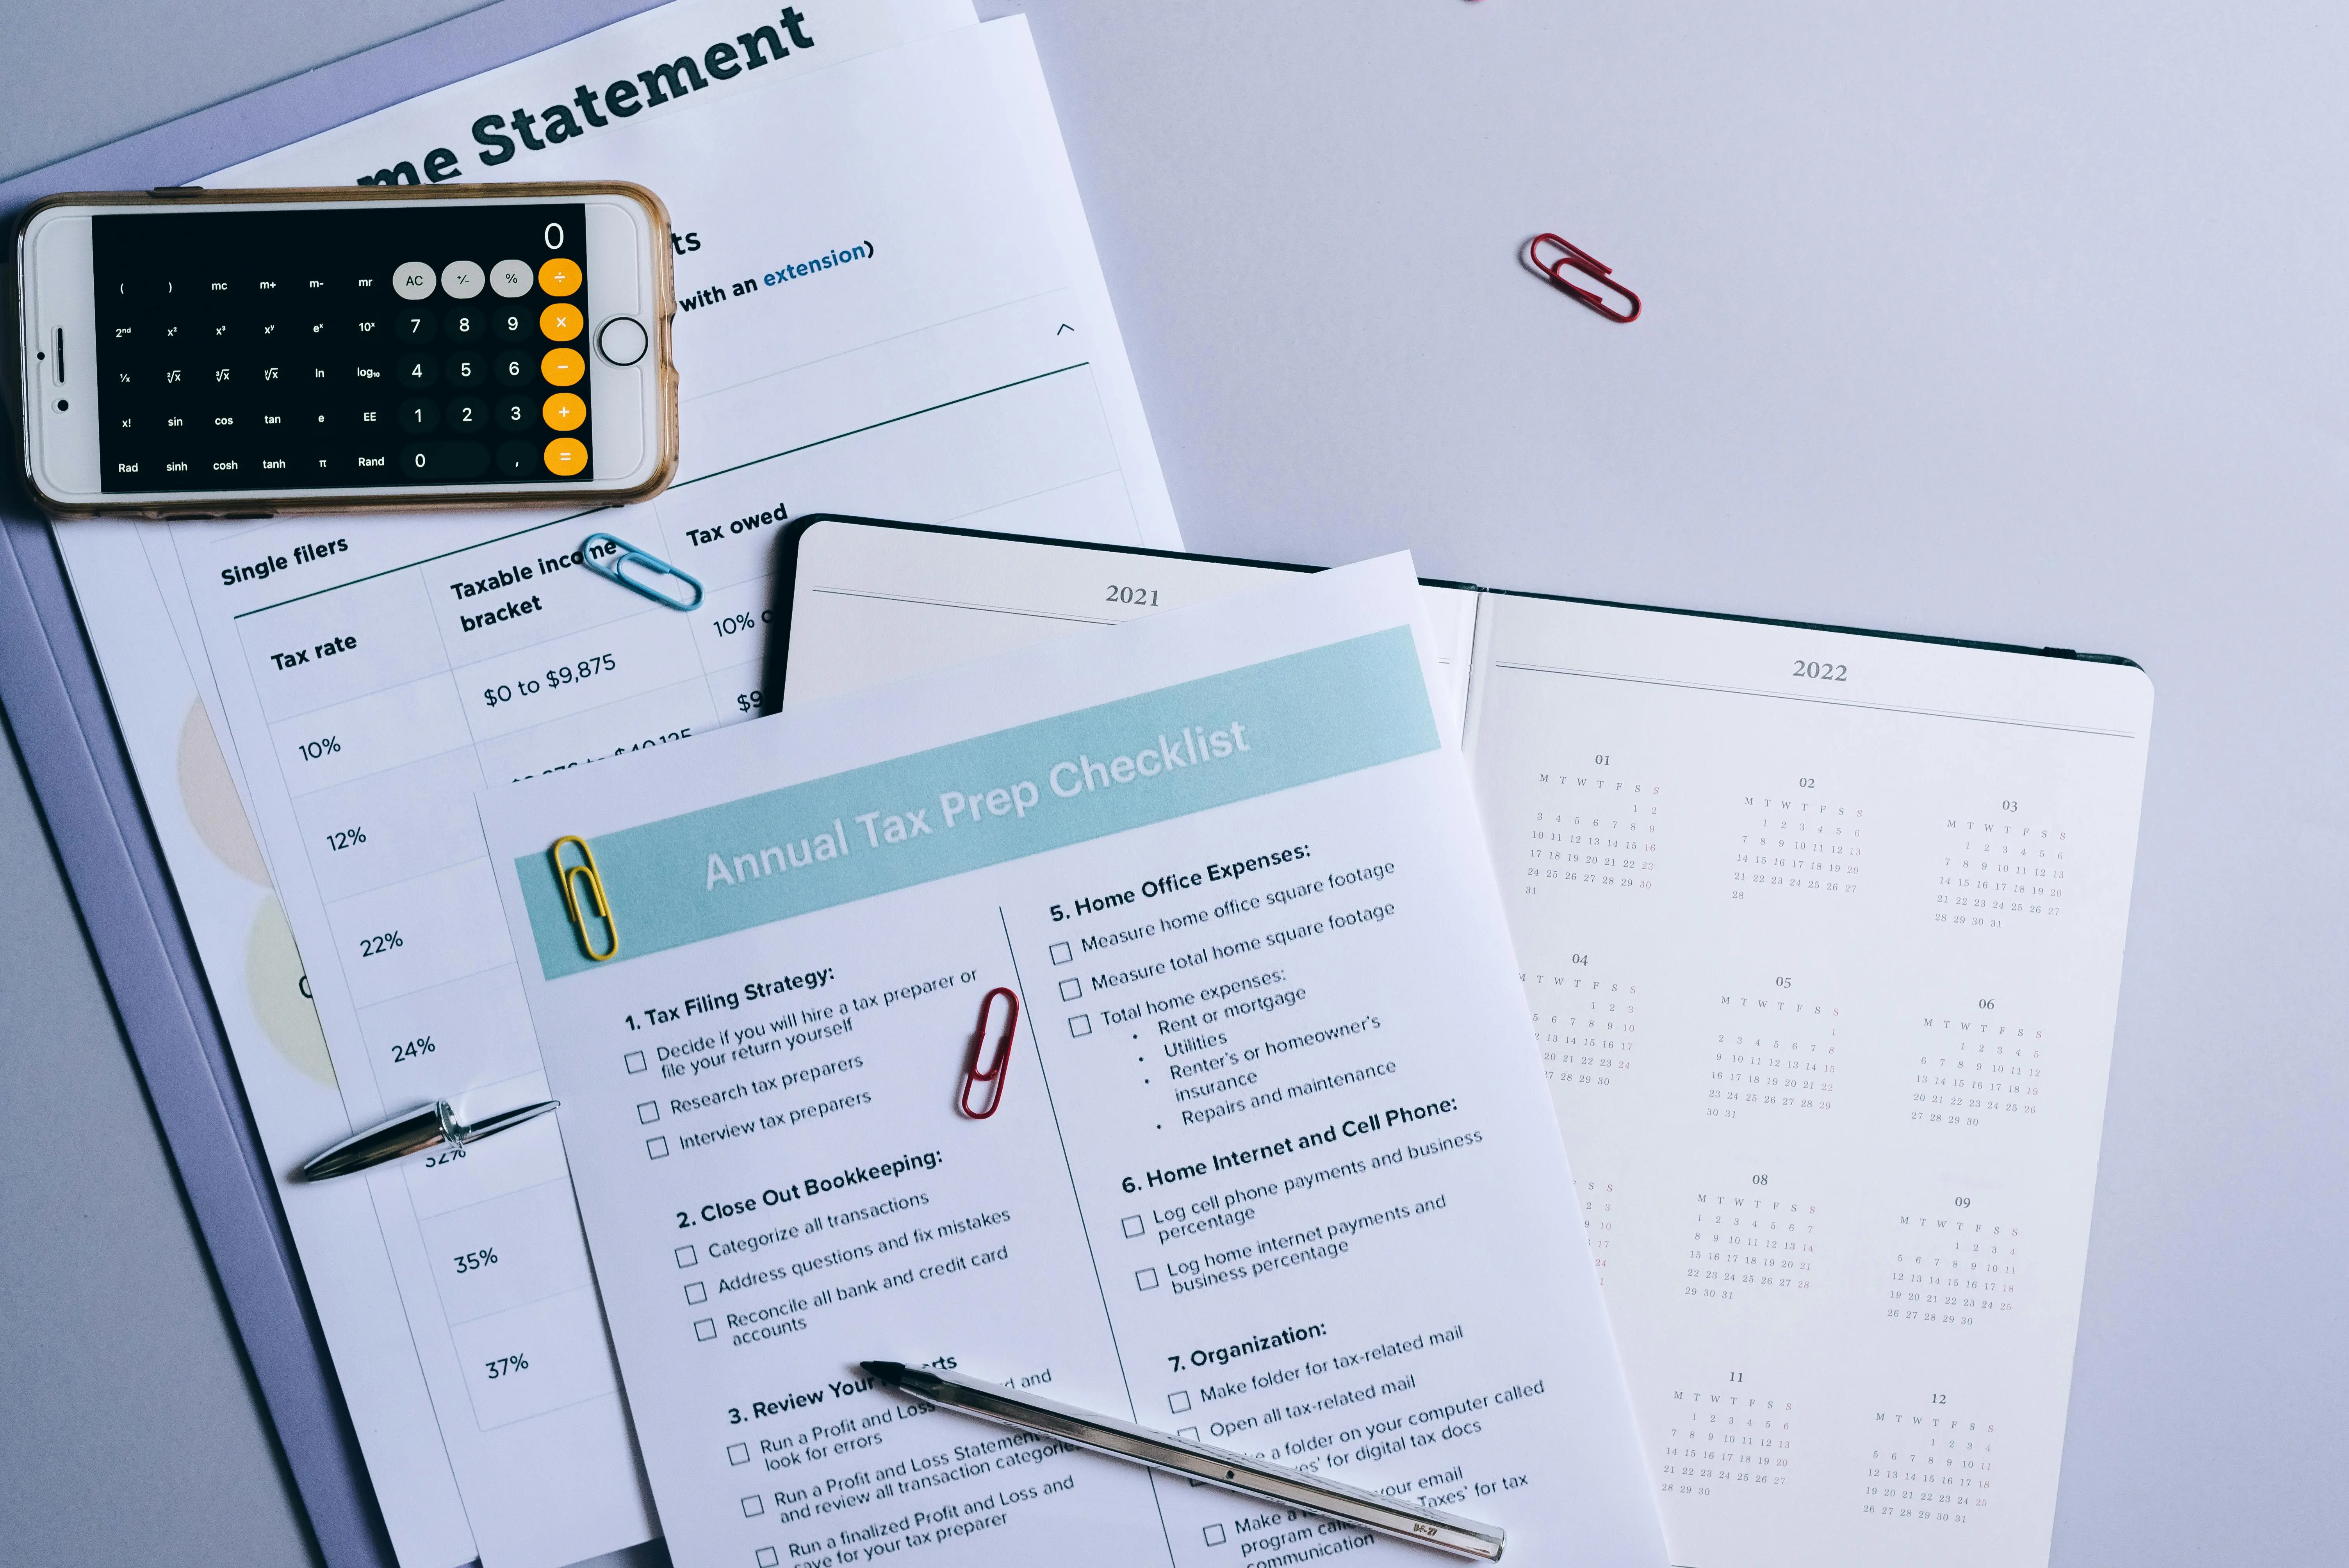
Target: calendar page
<point x="1821" y="932"/>
<point x="1822" y="936"/>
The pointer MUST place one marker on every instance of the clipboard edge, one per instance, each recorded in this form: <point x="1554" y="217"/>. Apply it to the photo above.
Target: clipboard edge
<point x="63" y="725"/>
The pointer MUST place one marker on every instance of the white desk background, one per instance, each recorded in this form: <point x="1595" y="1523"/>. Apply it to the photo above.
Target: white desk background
<point x="2016" y="322"/>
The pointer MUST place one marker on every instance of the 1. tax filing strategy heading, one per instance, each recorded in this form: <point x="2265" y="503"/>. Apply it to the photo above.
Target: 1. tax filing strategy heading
<point x="663" y="84"/>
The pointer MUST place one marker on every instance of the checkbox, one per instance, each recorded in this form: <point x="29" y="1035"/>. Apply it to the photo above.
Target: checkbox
<point x="738" y="1453"/>
<point x="647" y="1111"/>
<point x="705" y="1328"/>
<point x="1179" y="1400"/>
<point x="767" y="1558"/>
<point x="1060" y="953"/>
<point x="1145" y="1279"/>
<point x="1213" y="1535"/>
<point x="754" y="1506"/>
<point x="1188" y="1434"/>
<point x="1081" y="1025"/>
<point x="1131" y="1225"/>
<point x="686" y="1257"/>
<point x="656" y="1147"/>
<point x="1072" y="988"/>
<point x="696" y="1293"/>
<point x="635" y="1061"/>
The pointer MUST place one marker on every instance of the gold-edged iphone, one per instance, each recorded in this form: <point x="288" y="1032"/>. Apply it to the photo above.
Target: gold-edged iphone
<point x="191" y="353"/>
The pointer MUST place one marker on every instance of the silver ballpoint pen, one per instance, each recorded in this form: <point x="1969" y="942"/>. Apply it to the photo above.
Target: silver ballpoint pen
<point x="426" y="1127"/>
<point x="1194" y="1461"/>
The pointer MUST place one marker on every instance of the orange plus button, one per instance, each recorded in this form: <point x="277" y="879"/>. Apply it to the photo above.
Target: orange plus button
<point x="559" y="276"/>
<point x="562" y="366"/>
<point x="565" y="457"/>
<point x="564" y="411"/>
<point x="560" y="322"/>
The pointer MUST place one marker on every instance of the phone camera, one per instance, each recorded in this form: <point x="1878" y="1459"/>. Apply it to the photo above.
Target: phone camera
<point x="61" y="405"/>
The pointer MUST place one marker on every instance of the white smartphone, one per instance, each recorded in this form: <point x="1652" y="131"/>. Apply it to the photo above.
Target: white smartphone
<point x="190" y="353"/>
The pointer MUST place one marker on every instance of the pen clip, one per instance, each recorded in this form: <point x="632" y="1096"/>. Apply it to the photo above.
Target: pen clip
<point x="1589" y="266"/>
<point x="628" y="554"/>
<point x="569" y="876"/>
<point x="973" y="1075"/>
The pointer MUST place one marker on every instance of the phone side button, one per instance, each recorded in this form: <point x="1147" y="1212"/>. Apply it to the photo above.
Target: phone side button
<point x="623" y="340"/>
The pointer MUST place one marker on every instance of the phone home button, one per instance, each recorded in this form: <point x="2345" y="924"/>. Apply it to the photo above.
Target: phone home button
<point x="623" y="340"/>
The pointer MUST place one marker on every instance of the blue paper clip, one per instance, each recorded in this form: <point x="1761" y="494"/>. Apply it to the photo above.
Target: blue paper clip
<point x="629" y="552"/>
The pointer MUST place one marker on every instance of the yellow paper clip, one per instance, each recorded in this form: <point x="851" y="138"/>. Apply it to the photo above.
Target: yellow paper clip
<point x="602" y="906"/>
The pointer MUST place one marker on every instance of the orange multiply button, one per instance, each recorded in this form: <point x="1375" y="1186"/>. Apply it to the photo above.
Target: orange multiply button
<point x="560" y="322"/>
<point x="559" y="276"/>
<point x="562" y="366"/>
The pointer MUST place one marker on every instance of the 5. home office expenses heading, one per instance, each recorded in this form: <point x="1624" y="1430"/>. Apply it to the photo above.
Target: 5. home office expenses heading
<point x="1259" y="1169"/>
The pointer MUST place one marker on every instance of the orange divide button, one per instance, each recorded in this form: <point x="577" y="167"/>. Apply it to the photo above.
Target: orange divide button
<point x="565" y="456"/>
<point x="559" y="276"/>
<point x="562" y="366"/>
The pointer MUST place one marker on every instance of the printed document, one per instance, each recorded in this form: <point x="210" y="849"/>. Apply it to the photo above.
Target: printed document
<point x="1822" y="938"/>
<point x="959" y="358"/>
<point x="1821" y="935"/>
<point x="1267" y="1161"/>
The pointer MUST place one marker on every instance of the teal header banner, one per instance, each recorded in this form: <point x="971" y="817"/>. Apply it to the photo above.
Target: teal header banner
<point x="1062" y="780"/>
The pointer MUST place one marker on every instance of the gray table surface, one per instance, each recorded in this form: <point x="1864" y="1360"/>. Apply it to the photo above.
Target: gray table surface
<point x="2014" y="322"/>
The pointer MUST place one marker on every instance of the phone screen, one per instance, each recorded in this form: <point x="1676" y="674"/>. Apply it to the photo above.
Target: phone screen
<point x="395" y="346"/>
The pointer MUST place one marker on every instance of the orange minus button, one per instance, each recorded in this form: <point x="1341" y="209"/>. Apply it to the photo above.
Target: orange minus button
<point x="562" y="366"/>
<point x="565" y="457"/>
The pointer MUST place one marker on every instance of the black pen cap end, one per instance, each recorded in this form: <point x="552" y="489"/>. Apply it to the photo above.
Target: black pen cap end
<point x="889" y="1372"/>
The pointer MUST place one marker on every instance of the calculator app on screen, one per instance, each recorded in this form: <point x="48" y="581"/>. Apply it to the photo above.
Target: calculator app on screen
<point x="298" y="350"/>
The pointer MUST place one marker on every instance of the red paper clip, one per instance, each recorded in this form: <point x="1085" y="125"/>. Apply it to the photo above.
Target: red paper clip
<point x="972" y="1074"/>
<point x="1589" y="266"/>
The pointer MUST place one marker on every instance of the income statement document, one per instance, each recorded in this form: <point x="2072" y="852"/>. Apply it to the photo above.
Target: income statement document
<point x="1821" y="932"/>
<point x="1272" y="1132"/>
<point x="870" y="333"/>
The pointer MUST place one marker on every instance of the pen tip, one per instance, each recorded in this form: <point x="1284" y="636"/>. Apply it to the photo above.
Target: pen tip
<point x="889" y="1372"/>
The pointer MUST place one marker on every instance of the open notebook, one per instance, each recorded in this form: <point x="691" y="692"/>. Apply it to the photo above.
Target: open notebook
<point x="1821" y="930"/>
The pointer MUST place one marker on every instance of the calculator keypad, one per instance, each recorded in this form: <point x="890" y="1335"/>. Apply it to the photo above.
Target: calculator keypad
<point x="345" y="349"/>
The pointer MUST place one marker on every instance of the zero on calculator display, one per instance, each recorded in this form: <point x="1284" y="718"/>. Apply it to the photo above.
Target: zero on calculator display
<point x="343" y="349"/>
